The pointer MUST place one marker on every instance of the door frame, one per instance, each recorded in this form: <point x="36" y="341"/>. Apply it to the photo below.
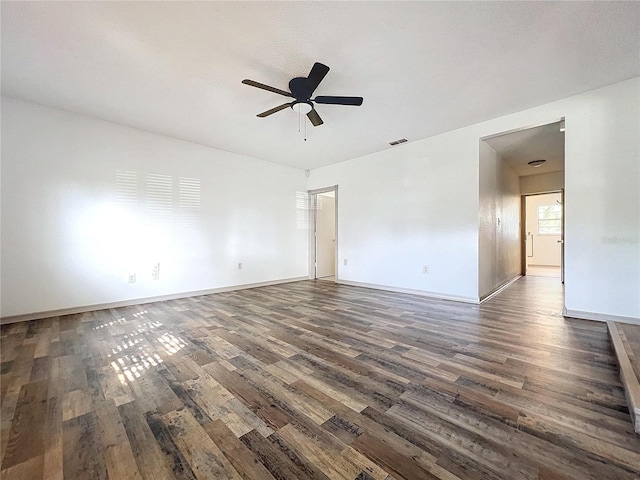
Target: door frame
<point x="313" y="227"/>
<point x="523" y="230"/>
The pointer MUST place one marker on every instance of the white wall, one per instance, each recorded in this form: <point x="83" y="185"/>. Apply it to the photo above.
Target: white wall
<point x="546" y="249"/>
<point x="545" y="182"/>
<point x="86" y="202"/>
<point x="326" y="236"/>
<point x="407" y="207"/>
<point x="499" y="221"/>
<point x="418" y="204"/>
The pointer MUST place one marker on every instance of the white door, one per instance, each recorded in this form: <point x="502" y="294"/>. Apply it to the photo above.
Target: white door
<point x="326" y="236"/>
<point x="323" y="234"/>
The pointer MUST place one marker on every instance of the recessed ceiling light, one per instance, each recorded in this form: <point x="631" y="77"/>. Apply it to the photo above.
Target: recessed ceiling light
<point x="536" y="163"/>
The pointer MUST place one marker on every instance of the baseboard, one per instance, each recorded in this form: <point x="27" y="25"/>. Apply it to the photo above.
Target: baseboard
<point x="499" y="289"/>
<point x="627" y="376"/>
<point x="410" y="291"/>
<point x="599" y="317"/>
<point x="139" y="301"/>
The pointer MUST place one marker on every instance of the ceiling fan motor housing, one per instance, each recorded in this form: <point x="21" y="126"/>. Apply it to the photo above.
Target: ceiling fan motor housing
<point x="299" y="88"/>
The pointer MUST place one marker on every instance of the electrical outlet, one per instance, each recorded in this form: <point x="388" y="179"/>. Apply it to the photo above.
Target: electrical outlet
<point x="132" y="278"/>
<point x="425" y="269"/>
<point x="155" y="274"/>
<point x="345" y="261"/>
<point x="239" y="265"/>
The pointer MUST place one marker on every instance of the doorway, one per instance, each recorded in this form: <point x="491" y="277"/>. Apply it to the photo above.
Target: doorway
<point x="543" y="235"/>
<point x="515" y="167"/>
<point x="323" y="246"/>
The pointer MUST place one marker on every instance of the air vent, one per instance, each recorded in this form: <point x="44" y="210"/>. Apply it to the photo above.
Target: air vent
<point x="398" y="142"/>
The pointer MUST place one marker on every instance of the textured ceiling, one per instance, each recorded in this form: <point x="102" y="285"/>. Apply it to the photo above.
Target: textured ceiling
<point x="517" y="148"/>
<point x="423" y="68"/>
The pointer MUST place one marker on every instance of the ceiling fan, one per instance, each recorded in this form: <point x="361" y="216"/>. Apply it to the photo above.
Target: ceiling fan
<point x="301" y="89"/>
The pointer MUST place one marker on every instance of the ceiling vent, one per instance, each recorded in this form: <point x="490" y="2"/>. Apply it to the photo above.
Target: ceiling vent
<point x="398" y="142"/>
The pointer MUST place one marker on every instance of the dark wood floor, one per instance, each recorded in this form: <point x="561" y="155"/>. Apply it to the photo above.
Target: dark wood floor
<point x="311" y="380"/>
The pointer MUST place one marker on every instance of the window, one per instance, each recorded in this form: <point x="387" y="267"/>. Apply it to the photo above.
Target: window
<point x="549" y="220"/>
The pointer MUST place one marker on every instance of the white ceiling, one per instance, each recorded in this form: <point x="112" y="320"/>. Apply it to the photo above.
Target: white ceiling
<point x="540" y="143"/>
<point x="423" y="68"/>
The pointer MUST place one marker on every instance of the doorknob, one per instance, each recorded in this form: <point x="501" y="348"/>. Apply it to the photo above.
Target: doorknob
<point x="560" y="241"/>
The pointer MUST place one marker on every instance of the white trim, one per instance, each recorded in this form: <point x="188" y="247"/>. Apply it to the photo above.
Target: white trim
<point x="496" y="291"/>
<point x="138" y="301"/>
<point x="410" y="291"/>
<point x="316" y="191"/>
<point x="599" y="317"/>
<point x="336" y="268"/>
<point x="546" y="192"/>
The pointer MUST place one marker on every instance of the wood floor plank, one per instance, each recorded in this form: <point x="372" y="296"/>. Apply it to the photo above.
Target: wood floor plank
<point x="280" y="459"/>
<point x="267" y="411"/>
<point x="83" y="455"/>
<point x="151" y="461"/>
<point x="332" y="464"/>
<point x="26" y="439"/>
<point x="119" y="458"/>
<point x="294" y="399"/>
<point x="382" y="453"/>
<point x="75" y="403"/>
<point x="204" y="456"/>
<point x="31" y="469"/>
<point x="313" y="380"/>
<point x="53" y="453"/>
<point x="401" y="440"/>
<point x="236" y="452"/>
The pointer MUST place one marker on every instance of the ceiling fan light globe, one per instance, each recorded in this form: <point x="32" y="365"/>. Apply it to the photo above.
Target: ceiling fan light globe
<point x="302" y="107"/>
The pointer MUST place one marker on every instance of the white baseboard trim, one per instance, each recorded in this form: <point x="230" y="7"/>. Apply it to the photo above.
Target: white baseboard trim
<point x="139" y="301"/>
<point x="496" y="291"/>
<point x="599" y="317"/>
<point x="410" y="291"/>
